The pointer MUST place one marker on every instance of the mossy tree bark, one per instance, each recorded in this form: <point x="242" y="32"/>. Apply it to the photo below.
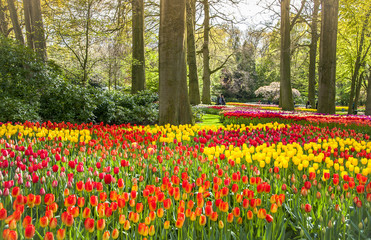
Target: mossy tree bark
<point x="313" y="56"/>
<point x="138" y="65"/>
<point x="28" y="24"/>
<point x="173" y="92"/>
<point x="206" y="95"/>
<point x="3" y="22"/>
<point x="15" y="22"/>
<point x="327" y="62"/>
<point x="194" y="91"/>
<point x="286" y="99"/>
<point x="358" y="64"/>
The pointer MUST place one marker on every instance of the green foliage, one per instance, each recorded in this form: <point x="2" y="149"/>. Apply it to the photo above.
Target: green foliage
<point x="23" y="78"/>
<point x="67" y="102"/>
<point x="17" y="110"/>
<point x="118" y="107"/>
<point x="34" y="91"/>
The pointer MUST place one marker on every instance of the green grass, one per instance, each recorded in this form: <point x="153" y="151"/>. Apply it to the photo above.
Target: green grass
<point x="210" y="120"/>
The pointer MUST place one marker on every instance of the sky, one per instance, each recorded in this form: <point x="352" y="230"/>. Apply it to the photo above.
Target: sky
<point x="251" y="12"/>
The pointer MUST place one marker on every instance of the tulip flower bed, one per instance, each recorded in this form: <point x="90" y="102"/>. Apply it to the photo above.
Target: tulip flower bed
<point x="354" y="122"/>
<point x="264" y="181"/>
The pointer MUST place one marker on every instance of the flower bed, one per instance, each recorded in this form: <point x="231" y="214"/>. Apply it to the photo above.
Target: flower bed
<point x="355" y="122"/>
<point x="267" y="181"/>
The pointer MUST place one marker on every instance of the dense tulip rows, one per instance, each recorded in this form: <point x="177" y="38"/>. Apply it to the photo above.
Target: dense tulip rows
<point x="265" y="181"/>
<point x="361" y="122"/>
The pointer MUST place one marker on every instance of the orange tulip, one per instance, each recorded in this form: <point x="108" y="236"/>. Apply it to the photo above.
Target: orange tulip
<point x="12" y="224"/>
<point x="193" y="216"/>
<point x="214" y="216"/>
<point x="106" y="235"/>
<point x="49" y="236"/>
<point x="167" y="225"/>
<point x="86" y="212"/>
<point x="44" y="221"/>
<point x="61" y="234"/>
<point x="94" y="200"/>
<point x="135" y="217"/>
<point x="53" y="223"/>
<point x="38" y="200"/>
<point x="139" y="207"/>
<point x="11" y="235"/>
<point x="202" y="220"/>
<point x="27" y="221"/>
<point x="141" y="228"/>
<point x="250" y="215"/>
<point x="101" y="224"/>
<point x="49" y="214"/>
<point x="274" y="208"/>
<point x="115" y="233"/>
<point x="102" y="196"/>
<point x="127" y="225"/>
<point x="179" y="223"/>
<point x="81" y="202"/>
<point x="89" y="225"/>
<point x="151" y="230"/>
<point x="122" y="219"/>
<point x="3" y="214"/>
<point x="262" y="213"/>
<point x="160" y="212"/>
<point x="221" y="224"/>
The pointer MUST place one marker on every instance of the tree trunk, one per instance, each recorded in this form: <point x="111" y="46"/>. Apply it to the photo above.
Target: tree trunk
<point x="313" y="56"/>
<point x="174" y="103"/>
<point x="358" y="92"/>
<point x="38" y="29"/>
<point x="194" y="91"/>
<point x="87" y="44"/>
<point x="138" y="65"/>
<point x="327" y="62"/>
<point x="3" y="23"/>
<point x="14" y="17"/>
<point x="28" y="23"/>
<point x="285" y="83"/>
<point x="368" y="101"/>
<point x="357" y="64"/>
<point x="206" y="96"/>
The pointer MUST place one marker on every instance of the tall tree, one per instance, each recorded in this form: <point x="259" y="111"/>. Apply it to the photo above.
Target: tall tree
<point x="38" y="29"/>
<point x="3" y="23"/>
<point x="327" y="62"/>
<point x="358" y="62"/>
<point x="194" y="91"/>
<point x="138" y="65"/>
<point x="313" y="55"/>
<point x="286" y="99"/>
<point x="174" y="103"/>
<point x="368" y="101"/>
<point x="28" y="23"/>
<point x="15" y="22"/>
<point x="206" y="96"/>
<point x="207" y="71"/>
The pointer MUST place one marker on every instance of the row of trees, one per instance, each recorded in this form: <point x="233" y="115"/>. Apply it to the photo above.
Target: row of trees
<point x="89" y="39"/>
<point x="344" y="43"/>
<point x="121" y="43"/>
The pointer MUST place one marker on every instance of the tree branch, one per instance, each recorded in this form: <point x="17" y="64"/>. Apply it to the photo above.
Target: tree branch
<point x="298" y="14"/>
<point x="222" y="65"/>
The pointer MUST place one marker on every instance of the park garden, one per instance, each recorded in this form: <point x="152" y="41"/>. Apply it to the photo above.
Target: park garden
<point x="185" y="119"/>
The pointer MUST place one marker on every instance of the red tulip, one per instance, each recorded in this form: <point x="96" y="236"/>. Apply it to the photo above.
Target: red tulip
<point x="269" y="218"/>
<point x="307" y="208"/>
<point x="29" y="231"/>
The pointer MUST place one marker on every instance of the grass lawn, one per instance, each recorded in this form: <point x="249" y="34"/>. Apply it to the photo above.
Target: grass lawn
<point x="209" y="120"/>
